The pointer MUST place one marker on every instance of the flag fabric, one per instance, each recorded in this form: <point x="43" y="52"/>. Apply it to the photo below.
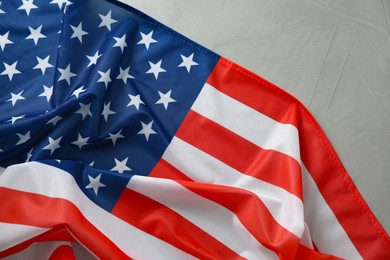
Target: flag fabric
<point x="121" y="135"/>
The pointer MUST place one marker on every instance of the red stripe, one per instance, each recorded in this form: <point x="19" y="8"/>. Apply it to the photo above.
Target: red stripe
<point x="266" y="165"/>
<point x="255" y="216"/>
<point x="340" y="193"/>
<point x="41" y="211"/>
<point x="63" y="252"/>
<point x="333" y="181"/>
<point x="158" y="220"/>
<point x="164" y="170"/>
<point x="254" y="91"/>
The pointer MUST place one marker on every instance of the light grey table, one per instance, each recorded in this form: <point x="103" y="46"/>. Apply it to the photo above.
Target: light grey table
<point x="333" y="55"/>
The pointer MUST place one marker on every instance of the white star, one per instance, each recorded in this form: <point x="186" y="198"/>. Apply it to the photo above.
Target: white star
<point x="106" y="111"/>
<point x="85" y="110"/>
<point x="47" y="92"/>
<point x="23" y="138"/>
<point x="107" y="20"/>
<point x="80" y="142"/>
<point x="115" y="137"/>
<point x="35" y="34"/>
<point x="29" y="155"/>
<point x="10" y="70"/>
<point x="43" y="64"/>
<point x="54" y="120"/>
<point x="66" y="74"/>
<point x="93" y="59"/>
<point x="94" y="183"/>
<point x="78" y="91"/>
<point x="1" y="11"/>
<point x="120" y="166"/>
<point x="15" y="97"/>
<point x="53" y="144"/>
<point x="14" y="118"/>
<point x="92" y="163"/>
<point x="188" y="62"/>
<point x="105" y="77"/>
<point x="78" y="32"/>
<point x="27" y="6"/>
<point x="124" y="74"/>
<point x="120" y="42"/>
<point x="155" y="68"/>
<point x="147" y="39"/>
<point x="147" y="130"/>
<point x="4" y="40"/>
<point x="135" y="101"/>
<point x="60" y="3"/>
<point x="165" y="99"/>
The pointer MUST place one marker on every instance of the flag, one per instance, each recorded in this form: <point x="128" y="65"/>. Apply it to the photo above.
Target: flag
<point x="121" y="135"/>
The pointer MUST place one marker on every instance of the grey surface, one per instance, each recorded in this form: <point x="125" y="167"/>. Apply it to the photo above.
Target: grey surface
<point x="333" y="55"/>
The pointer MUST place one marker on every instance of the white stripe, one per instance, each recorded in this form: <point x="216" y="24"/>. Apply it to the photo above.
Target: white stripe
<point x="326" y="232"/>
<point x="247" y="122"/>
<point x="53" y="182"/>
<point x="213" y="218"/>
<point x="286" y="208"/>
<point x="13" y="234"/>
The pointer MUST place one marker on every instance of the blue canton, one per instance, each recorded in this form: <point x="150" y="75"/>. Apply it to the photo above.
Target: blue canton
<point x="93" y="81"/>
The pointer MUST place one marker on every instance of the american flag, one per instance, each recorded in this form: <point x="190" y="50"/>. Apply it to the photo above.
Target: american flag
<point x="121" y="135"/>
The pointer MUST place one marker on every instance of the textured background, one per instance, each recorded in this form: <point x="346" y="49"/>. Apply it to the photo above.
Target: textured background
<point x="333" y="55"/>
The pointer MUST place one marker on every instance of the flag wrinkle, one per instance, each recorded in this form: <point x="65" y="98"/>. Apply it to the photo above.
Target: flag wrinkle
<point x="141" y="143"/>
